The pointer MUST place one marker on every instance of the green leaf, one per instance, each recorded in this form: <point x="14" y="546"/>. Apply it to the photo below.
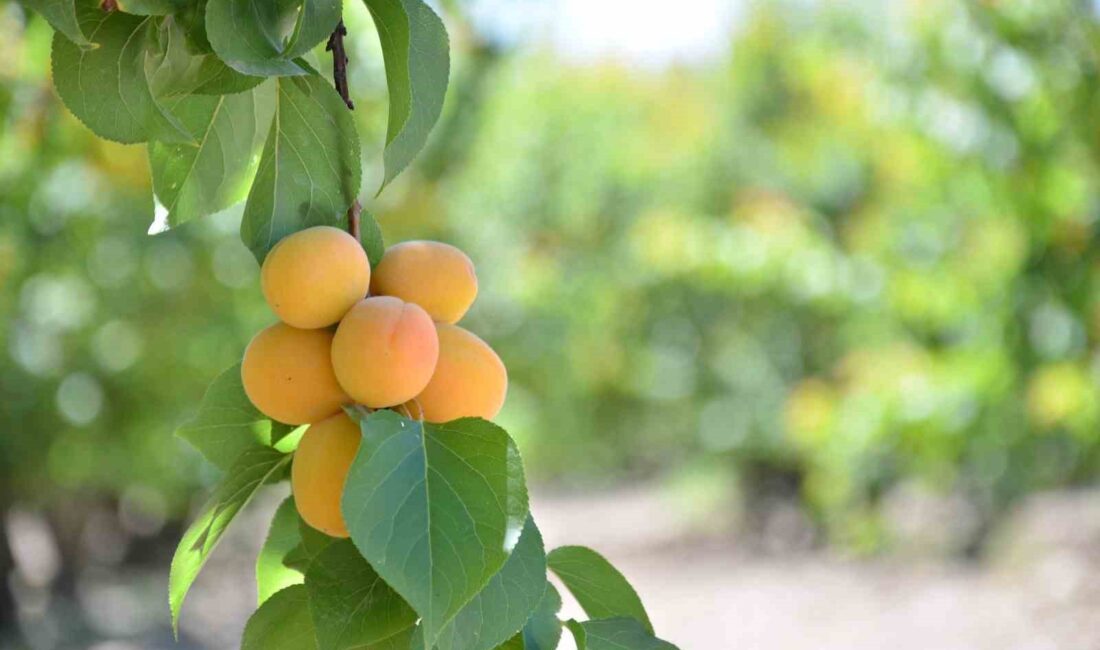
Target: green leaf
<point x="543" y="629"/>
<point x="281" y="623"/>
<point x="615" y="634"/>
<point x="370" y="236"/>
<point x="316" y="21"/>
<point x="600" y="589"/>
<point x="298" y="559"/>
<point x="400" y="641"/>
<point x="310" y="171"/>
<point x="261" y="38"/>
<point x="285" y="437"/>
<point x="193" y="20"/>
<point x="177" y="68"/>
<point x="416" y="52"/>
<point x="195" y="180"/>
<point x="226" y="424"/>
<point x="314" y="542"/>
<point x="435" y="509"/>
<point x="106" y="88"/>
<point x="254" y="468"/>
<point x="249" y="36"/>
<point x="61" y="15"/>
<point x="272" y="575"/>
<point x="152" y="7"/>
<point x="502" y="608"/>
<point x="352" y="606"/>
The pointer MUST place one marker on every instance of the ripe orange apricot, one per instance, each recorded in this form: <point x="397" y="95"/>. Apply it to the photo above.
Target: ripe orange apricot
<point x="320" y="469"/>
<point x="436" y="276"/>
<point x="287" y="374"/>
<point x="384" y="351"/>
<point x="312" y="278"/>
<point x="469" y="381"/>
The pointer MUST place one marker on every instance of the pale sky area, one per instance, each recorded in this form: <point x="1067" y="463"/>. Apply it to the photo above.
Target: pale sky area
<point x="643" y="32"/>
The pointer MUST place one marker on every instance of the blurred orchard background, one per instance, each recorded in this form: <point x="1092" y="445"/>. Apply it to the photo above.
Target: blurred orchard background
<point x="800" y="302"/>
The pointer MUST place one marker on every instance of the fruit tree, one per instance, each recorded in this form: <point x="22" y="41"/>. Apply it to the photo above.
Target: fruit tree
<point x="408" y="524"/>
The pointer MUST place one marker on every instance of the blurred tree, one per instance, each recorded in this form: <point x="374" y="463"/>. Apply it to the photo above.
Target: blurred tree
<point x="862" y="252"/>
<point x="859" y="252"/>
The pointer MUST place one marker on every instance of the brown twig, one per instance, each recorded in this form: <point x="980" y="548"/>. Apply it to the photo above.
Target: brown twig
<point x="340" y="80"/>
<point x="353" y="218"/>
<point x="109" y="5"/>
<point x="340" y="62"/>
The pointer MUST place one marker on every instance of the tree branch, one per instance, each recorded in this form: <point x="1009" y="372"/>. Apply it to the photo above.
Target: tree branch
<point x="340" y="62"/>
<point x="353" y="218"/>
<point x="340" y="80"/>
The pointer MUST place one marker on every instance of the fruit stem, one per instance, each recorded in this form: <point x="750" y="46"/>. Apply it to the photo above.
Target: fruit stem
<point x="109" y="5"/>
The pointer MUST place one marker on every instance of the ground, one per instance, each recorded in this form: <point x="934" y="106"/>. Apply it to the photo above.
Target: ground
<point x="1037" y="591"/>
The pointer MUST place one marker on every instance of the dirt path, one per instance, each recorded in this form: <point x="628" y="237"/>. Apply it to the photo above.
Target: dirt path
<point x="719" y="599"/>
<point x="706" y="602"/>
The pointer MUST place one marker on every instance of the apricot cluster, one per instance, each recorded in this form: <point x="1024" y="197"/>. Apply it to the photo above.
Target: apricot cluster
<point x="383" y="338"/>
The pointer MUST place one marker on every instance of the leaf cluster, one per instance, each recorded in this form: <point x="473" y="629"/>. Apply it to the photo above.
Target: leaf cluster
<point x="443" y="554"/>
<point x="224" y="96"/>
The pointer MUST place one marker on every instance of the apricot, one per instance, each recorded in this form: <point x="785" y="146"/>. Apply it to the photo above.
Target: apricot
<point x="385" y="351"/>
<point x="469" y="381"/>
<point x="320" y="469"/>
<point x="436" y="276"/>
<point x="287" y="374"/>
<point x="312" y="277"/>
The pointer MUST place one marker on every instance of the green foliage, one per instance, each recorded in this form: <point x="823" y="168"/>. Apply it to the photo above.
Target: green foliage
<point x="253" y="37"/>
<point x="254" y="468"/>
<point x="285" y="437"/>
<point x="774" y="241"/>
<point x="504" y="606"/>
<point x="352" y="606"/>
<point x="401" y="641"/>
<point x="106" y="87"/>
<point x="61" y="14"/>
<point x="227" y="424"/>
<point x="310" y="170"/>
<point x="316" y="21"/>
<point x="844" y="264"/>
<point x="272" y="575"/>
<point x="800" y="270"/>
<point x="417" y="55"/>
<point x="543" y="629"/>
<point x="443" y="554"/>
<point x="615" y="634"/>
<point x="598" y="586"/>
<point x="153" y="7"/>
<point x="187" y="77"/>
<point x="313" y="542"/>
<point x="435" y="509"/>
<point x="194" y="180"/>
<point x="282" y="623"/>
<point x="432" y="511"/>
<point x="370" y="235"/>
<point x="176" y="68"/>
<point x="786" y="266"/>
